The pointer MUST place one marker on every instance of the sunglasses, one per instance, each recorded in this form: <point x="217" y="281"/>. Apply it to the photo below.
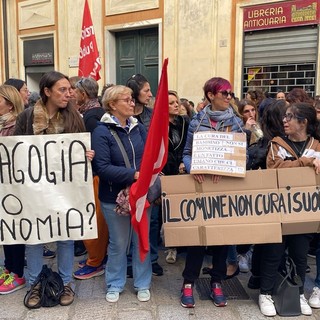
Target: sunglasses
<point x="84" y="89"/>
<point x="226" y="93"/>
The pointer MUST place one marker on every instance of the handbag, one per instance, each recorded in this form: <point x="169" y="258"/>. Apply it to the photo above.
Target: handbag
<point x="50" y="288"/>
<point x="122" y="202"/>
<point x="286" y="294"/>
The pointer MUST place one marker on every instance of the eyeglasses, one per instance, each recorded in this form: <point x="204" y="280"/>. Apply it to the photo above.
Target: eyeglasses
<point x="226" y="93"/>
<point x="128" y="100"/>
<point x="84" y="89"/>
<point x="289" y="116"/>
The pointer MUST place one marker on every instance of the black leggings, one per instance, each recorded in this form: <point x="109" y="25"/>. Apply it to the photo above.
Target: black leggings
<point x="271" y="258"/>
<point x="194" y="261"/>
<point x="14" y="258"/>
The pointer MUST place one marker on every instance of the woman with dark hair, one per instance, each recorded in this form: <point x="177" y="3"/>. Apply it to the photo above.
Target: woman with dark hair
<point x="271" y="126"/>
<point x="249" y="113"/>
<point x="52" y="114"/>
<point x="298" y="95"/>
<point x="22" y="88"/>
<point x="142" y="95"/>
<point x="218" y="115"/>
<point x="185" y="108"/>
<point x="298" y="148"/>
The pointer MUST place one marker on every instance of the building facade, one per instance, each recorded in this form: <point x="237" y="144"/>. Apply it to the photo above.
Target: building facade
<point x="253" y="43"/>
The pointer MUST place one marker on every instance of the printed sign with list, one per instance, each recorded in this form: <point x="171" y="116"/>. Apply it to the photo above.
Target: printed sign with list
<point x="221" y="153"/>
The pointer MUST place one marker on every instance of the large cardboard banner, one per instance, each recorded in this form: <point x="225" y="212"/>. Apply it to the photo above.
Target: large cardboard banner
<point x="46" y="191"/>
<point x="259" y="208"/>
<point x="219" y="153"/>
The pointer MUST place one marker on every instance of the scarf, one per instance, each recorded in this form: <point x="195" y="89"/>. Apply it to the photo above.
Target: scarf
<point x="219" y="115"/>
<point x="42" y="124"/>
<point x="92" y="103"/>
<point x="7" y="119"/>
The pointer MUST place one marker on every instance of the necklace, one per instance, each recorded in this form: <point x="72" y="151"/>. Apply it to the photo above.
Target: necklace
<point x="296" y="146"/>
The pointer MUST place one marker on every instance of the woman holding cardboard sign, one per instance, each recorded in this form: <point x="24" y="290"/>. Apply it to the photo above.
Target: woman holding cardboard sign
<point x="218" y="115"/>
<point x="298" y="148"/>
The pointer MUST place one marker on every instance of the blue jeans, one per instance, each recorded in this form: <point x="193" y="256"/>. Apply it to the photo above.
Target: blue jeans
<point x="119" y="237"/>
<point x="34" y="255"/>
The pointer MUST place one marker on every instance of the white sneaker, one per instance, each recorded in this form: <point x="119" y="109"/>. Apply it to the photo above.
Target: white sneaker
<point x="243" y="263"/>
<point x="305" y="308"/>
<point x="112" y="296"/>
<point x="143" y="295"/>
<point x="314" y="300"/>
<point x="266" y="305"/>
<point x="171" y="255"/>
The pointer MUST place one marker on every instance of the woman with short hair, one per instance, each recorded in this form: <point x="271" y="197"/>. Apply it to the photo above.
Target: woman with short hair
<point x="119" y="128"/>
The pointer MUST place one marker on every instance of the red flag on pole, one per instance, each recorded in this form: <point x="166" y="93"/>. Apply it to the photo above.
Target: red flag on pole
<point x="153" y="160"/>
<point x="89" y="60"/>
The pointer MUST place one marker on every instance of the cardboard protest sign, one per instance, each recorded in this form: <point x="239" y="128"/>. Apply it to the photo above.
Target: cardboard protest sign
<point x="299" y="192"/>
<point x="46" y="189"/>
<point x="221" y="153"/>
<point x="260" y="208"/>
<point x="233" y="211"/>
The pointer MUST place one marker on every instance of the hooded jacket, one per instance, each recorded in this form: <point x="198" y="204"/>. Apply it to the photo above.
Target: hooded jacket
<point x="202" y="122"/>
<point x="109" y="163"/>
<point x="282" y="155"/>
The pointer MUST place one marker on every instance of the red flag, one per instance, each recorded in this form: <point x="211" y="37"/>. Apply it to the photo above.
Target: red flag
<point x="89" y="60"/>
<point x="153" y="160"/>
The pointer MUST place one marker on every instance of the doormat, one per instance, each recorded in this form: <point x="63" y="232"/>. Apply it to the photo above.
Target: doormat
<point x="232" y="289"/>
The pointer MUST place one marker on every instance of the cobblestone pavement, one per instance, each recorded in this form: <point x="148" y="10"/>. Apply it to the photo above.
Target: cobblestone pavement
<point x="90" y="303"/>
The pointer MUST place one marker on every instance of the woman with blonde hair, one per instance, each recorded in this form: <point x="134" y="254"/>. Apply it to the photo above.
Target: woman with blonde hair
<point x="119" y="141"/>
<point x="11" y="276"/>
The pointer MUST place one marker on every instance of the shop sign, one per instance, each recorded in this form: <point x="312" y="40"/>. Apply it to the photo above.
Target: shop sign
<point x="281" y="14"/>
<point x="42" y="58"/>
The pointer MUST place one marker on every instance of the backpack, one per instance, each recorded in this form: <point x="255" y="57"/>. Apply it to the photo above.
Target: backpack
<point x="51" y="288"/>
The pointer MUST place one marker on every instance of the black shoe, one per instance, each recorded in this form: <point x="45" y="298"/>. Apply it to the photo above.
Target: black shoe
<point x="232" y="275"/>
<point x="206" y="270"/>
<point x="254" y="282"/>
<point x="308" y="269"/>
<point x="79" y="248"/>
<point x="129" y="272"/>
<point x="157" y="270"/>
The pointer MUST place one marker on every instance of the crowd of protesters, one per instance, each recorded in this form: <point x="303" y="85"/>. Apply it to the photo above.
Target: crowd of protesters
<point x="281" y="132"/>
